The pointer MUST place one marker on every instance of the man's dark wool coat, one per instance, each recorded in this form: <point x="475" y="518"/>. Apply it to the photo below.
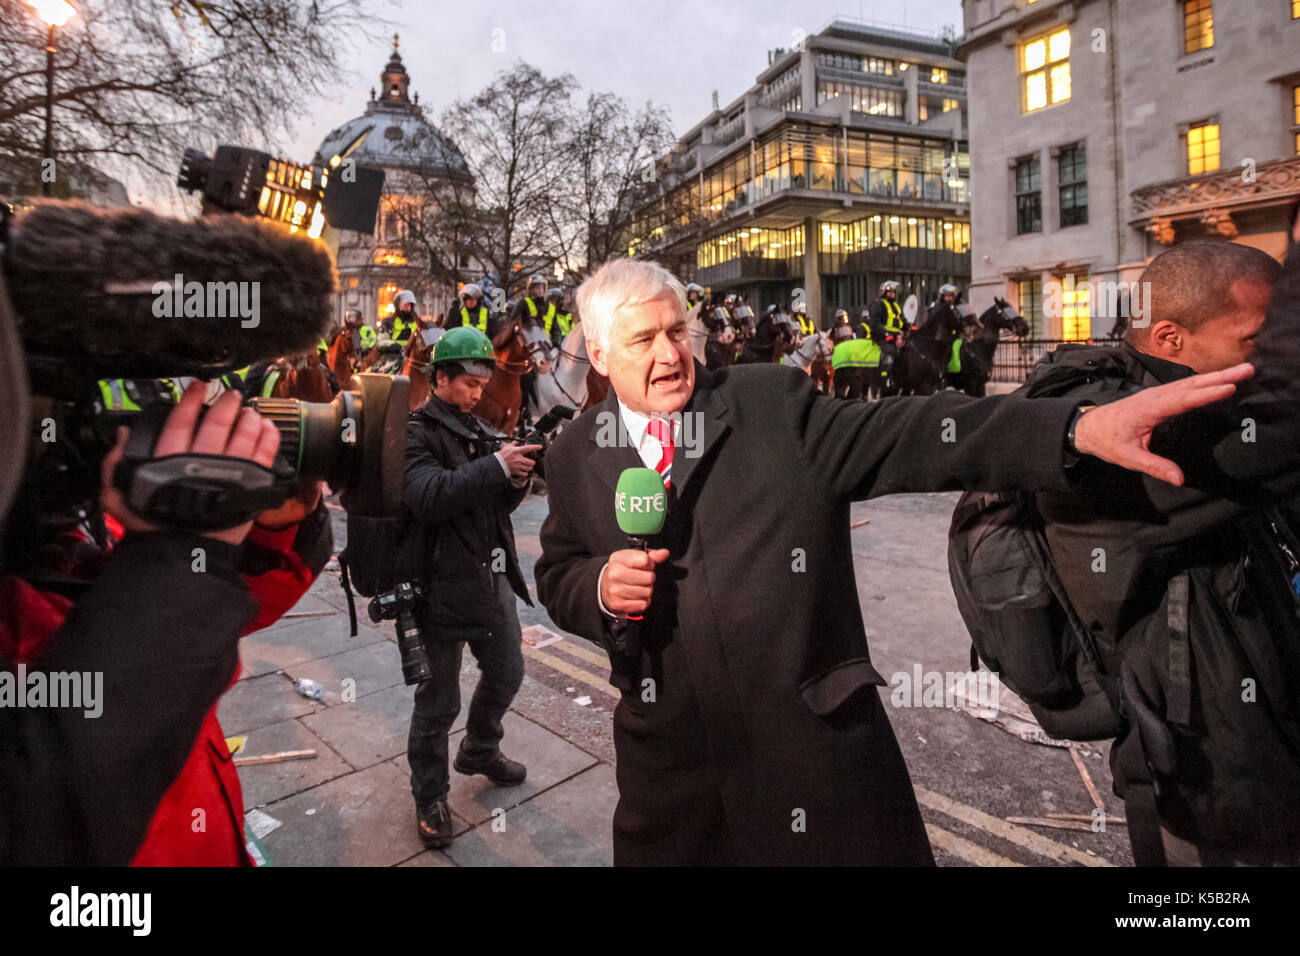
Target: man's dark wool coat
<point x="750" y="729"/>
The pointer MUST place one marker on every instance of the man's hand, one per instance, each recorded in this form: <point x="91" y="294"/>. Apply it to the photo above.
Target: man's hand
<point x="227" y="429"/>
<point x="629" y="579"/>
<point x="517" y="460"/>
<point x="1120" y="432"/>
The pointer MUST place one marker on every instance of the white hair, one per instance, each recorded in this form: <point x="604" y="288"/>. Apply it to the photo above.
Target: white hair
<point x="621" y="283"/>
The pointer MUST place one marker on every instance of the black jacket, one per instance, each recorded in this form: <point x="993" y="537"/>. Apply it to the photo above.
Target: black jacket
<point x="765" y="693"/>
<point x="81" y="790"/>
<point x="1227" y="771"/>
<point x="460" y="499"/>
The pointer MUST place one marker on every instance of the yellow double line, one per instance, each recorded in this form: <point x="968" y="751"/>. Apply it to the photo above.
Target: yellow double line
<point x="581" y="674"/>
<point x="971" y="853"/>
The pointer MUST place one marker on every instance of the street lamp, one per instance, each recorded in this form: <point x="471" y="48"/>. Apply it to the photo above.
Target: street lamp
<point x="892" y="246"/>
<point x="55" y="13"/>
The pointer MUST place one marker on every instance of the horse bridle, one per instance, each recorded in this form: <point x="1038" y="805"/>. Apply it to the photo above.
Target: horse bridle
<point x="529" y="349"/>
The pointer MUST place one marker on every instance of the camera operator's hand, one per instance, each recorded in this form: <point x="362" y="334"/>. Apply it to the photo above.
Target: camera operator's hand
<point x="517" y="460"/>
<point x="226" y="429"/>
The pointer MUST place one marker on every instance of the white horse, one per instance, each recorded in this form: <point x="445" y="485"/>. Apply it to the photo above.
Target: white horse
<point x="562" y="374"/>
<point x="815" y="346"/>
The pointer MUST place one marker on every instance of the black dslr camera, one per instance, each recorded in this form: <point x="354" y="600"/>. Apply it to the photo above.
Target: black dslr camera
<point x="400" y="605"/>
<point x="538" y="434"/>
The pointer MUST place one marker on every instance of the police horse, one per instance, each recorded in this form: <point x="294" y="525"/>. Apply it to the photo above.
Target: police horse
<point x="975" y="364"/>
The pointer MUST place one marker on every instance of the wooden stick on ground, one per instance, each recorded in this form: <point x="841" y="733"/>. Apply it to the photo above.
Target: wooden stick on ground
<point x="1055" y="824"/>
<point x="276" y="758"/>
<point x="1087" y="780"/>
<point x="1083" y="817"/>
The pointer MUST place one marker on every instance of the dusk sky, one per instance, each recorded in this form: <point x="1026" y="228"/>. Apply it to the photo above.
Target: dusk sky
<point x="674" y="52"/>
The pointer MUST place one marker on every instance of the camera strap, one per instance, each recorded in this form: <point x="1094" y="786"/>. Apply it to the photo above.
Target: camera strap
<point x="200" y="492"/>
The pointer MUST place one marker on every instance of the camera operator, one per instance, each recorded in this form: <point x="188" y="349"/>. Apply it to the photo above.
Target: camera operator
<point x="88" y="791"/>
<point x="460" y="493"/>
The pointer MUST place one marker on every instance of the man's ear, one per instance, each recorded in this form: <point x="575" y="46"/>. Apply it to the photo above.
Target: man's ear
<point x="1167" y="338"/>
<point x="597" y="356"/>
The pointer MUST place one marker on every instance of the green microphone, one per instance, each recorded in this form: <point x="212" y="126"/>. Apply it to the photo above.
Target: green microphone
<point x="641" y="506"/>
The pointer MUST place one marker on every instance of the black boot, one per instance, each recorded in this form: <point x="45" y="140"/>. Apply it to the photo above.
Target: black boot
<point x="433" y="822"/>
<point x="500" y="769"/>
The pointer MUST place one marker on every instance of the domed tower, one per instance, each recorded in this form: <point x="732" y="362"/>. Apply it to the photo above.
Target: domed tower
<point x="419" y="162"/>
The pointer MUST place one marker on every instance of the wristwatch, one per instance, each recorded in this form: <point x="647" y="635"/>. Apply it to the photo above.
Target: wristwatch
<point x="1074" y="423"/>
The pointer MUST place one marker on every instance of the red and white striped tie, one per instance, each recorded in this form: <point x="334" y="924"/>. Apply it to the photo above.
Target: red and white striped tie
<point x="661" y="430"/>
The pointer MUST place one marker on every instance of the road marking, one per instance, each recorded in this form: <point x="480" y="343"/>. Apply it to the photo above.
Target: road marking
<point x="577" y="649"/>
<point x="1006" y="831"/>
<point x="581" y="674"/>
<point x="965" y="849"/>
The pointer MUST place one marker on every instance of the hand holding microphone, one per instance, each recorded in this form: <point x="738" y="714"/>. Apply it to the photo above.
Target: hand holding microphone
<point x="641" y="506"/>
<point x="630" y="579"/>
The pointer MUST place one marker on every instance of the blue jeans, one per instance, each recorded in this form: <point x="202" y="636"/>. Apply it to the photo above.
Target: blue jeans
<point x="437" y="700"/>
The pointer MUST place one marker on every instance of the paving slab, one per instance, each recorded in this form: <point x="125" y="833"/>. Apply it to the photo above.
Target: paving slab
<point x="568" y="825"/>
<point x="368" y="730"/>
<point x="360" y="819"/>
<point x="369" y="668"/>
<point x="284" y="646"/>
<point x="265" y="783"/>
<point x="261" y="701"/>
<point x="549" y="758"/>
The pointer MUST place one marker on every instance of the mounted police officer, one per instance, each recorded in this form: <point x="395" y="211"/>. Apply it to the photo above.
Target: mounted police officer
<point x="943" y="313"/>
<point x="694" y="296"/>
<point x="470" y="310"/>
<point x="460" y="493"/>
<point x="563" y="318"/>
<point x="535" y="309"/>
<point x="404" y="320"/>
<point x="885" y="323"/>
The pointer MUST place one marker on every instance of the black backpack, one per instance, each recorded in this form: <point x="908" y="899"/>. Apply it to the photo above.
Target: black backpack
<point x="1013" y="603"/>
<point x="1020" y="619"/>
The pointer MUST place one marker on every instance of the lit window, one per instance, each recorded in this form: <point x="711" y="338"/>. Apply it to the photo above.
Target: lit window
<point x="1198" y="25"/>
<point x="1076" y="313"/>
<point x="1202" y="148"/>
<point x="938" y="76"/>
<point x="1031" y="305"/>
<point x="1045" y="66"/>
<point x="1295" y="97"/>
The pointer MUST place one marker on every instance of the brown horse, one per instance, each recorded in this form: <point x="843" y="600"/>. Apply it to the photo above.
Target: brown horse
<point x="303" y="377"/>
<point x="416" y="356"/>
<point x="341" y="355"/>
<point x="499" y="404"/>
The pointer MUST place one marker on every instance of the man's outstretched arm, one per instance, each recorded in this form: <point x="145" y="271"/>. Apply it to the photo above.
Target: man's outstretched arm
<point x="949" y="442"/>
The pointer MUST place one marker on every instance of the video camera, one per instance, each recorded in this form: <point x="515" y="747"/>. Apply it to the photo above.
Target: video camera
<point x="111" y="296"/>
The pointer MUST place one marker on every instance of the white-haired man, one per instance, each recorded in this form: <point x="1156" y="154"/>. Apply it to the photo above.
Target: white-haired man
<point x="750" y="729"/>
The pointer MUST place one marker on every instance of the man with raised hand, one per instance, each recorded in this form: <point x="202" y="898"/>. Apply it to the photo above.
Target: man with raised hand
<point x="750" y="730"/>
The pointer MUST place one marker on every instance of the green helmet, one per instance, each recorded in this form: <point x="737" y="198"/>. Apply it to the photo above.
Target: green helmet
<point x="467" y="346"/>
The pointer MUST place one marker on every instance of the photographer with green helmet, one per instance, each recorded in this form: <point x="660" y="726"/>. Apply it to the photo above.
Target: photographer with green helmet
<point x="460" y="492"/>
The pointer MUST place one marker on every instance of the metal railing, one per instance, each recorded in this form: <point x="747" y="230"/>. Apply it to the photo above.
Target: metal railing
<point x="1016" y="358"/>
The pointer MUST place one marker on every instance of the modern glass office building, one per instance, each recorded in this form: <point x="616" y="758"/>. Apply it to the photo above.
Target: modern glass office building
<point x="845" y="164"/>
